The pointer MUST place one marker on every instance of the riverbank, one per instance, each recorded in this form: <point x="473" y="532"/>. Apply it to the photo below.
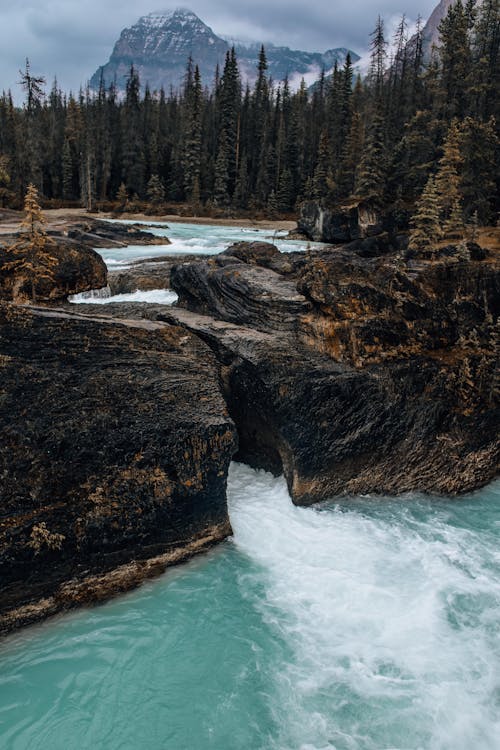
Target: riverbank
<point x="59" y="219"/>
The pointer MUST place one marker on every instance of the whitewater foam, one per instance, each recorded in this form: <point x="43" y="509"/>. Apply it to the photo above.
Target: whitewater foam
<point x="153" y="296"/>
<point x="365" y="624"/>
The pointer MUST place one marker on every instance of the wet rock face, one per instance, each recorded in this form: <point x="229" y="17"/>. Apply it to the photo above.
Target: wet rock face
<point x="340" y="225"/>
<point x="383" y="382"/>
<point x="115" y="447"/>
<point x="77" y="269"/>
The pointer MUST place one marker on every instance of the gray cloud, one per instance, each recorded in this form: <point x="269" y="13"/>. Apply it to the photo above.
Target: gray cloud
<point x="71" y="38"/>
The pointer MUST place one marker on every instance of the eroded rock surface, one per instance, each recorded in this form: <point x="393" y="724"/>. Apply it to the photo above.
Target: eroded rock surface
<point x="354" y="375"/>
<point x="114" y="455"/>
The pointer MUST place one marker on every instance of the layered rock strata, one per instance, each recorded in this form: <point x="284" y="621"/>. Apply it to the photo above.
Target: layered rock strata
<point x="114" y="455"/>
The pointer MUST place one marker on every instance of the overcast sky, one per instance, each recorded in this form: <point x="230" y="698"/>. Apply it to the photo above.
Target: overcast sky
<point x="71" y="38"/>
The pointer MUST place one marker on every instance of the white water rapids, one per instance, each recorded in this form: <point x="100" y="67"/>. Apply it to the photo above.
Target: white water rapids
<point x="368" y="624"/>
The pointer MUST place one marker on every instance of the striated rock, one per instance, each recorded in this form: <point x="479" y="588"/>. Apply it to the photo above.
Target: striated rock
<point x="114" y="456"/>
<point x="78" y="269"/>
<point x="378" y="378"/>
<point x="239" y="292"/>
<point x="353" y="222"/>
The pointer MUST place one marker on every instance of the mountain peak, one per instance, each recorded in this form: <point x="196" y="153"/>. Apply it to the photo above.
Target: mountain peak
<point x="161" y="17"/>
<point x="160" y="43"/>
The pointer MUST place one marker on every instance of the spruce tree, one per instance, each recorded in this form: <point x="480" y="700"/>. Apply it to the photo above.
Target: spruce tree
<point x="448" y="174"/>
<point x="133" y="157"/>
<point x="322" y="180"/>
<point x="4" y="180"/>
<point x="454" y="226"/>
<point x="285" y="192"/>
<point x="122" y="196"/>
<point x="155" y="191"/>
<point x="193" y="103"/>
<point x="425" y="224"/>
<point x="221" y="194"/>
<point x="371" y="175"/>
<point x="30" y="253"/>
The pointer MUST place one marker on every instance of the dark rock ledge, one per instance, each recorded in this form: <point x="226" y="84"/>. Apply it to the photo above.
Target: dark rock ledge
<point x="114" y="456"/>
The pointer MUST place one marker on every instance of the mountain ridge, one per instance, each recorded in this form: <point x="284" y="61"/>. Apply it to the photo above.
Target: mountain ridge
<point x="160" y="43"/>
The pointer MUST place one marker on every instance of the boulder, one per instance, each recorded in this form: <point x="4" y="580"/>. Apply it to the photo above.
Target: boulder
<point x="242" y="293"/>
<point x="253" y="253"/>
<point x="77" y="269"/>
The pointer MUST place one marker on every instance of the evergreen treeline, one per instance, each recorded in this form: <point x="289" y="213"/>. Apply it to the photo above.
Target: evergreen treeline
<point x="411" y="133"/>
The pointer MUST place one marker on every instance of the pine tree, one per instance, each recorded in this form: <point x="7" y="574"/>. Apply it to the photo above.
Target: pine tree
<point x="371" y="175"/>
<point x="322" y="180"/>
<point x="230" y="102"/>
<point x="448" y="174"/>
<point x="479" y="147"/>
<point x="285" y="192"/>
<point x="133" y="157"/>
<point x="193" y="102"/>
<point x="456" y="60"/>
<point x="221" y="195"/>
<point x="351" y="157"/>
<point x="30" y="253"/>
<point x="155" y="191"/>
<point x="272" y="205"/>
<point x="454" y="226"/>
<point x="4" y="180"/>
<point x="122" y="197"/>
<point x="378" y="60"/>
<point x="425" y="225"/>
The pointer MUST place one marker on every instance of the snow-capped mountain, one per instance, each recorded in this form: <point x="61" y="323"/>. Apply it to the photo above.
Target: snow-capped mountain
<point x="159" y="45"/>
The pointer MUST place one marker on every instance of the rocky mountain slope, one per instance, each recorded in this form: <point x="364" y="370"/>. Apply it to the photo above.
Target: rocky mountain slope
<point x="431" y="28"/>
<point x="159" y="45"/>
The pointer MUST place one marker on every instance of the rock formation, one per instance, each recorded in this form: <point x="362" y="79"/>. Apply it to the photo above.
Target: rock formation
<point x="348" y="373"/>
<point x="343" y="224"/>
<point x="104" y="234"/>
<point x="115" y="448"/>
<point x="354" y="375"/>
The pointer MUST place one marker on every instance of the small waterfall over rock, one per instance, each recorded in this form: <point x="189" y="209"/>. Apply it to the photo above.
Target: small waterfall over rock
<point x="102" y="293"/>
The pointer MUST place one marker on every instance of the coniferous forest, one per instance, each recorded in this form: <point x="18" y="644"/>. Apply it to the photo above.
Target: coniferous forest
<point x="417" y="136"/>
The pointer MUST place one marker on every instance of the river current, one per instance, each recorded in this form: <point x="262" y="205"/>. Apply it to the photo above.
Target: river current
<point x="366" y="623"/>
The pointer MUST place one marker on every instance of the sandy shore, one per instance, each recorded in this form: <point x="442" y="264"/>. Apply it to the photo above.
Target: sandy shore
<point x="59" y="217"/>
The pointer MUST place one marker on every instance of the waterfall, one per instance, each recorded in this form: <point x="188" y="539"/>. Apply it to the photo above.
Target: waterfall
<point x="93" y="294"/>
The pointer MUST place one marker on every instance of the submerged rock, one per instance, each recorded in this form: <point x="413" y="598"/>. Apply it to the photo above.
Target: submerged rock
<point x="115" y="449"/>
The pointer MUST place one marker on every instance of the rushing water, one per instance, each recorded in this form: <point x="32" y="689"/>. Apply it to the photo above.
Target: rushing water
<point x="185" y="239"/>
<point x="368" y="624"/>
<point x="197" y="239"/>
